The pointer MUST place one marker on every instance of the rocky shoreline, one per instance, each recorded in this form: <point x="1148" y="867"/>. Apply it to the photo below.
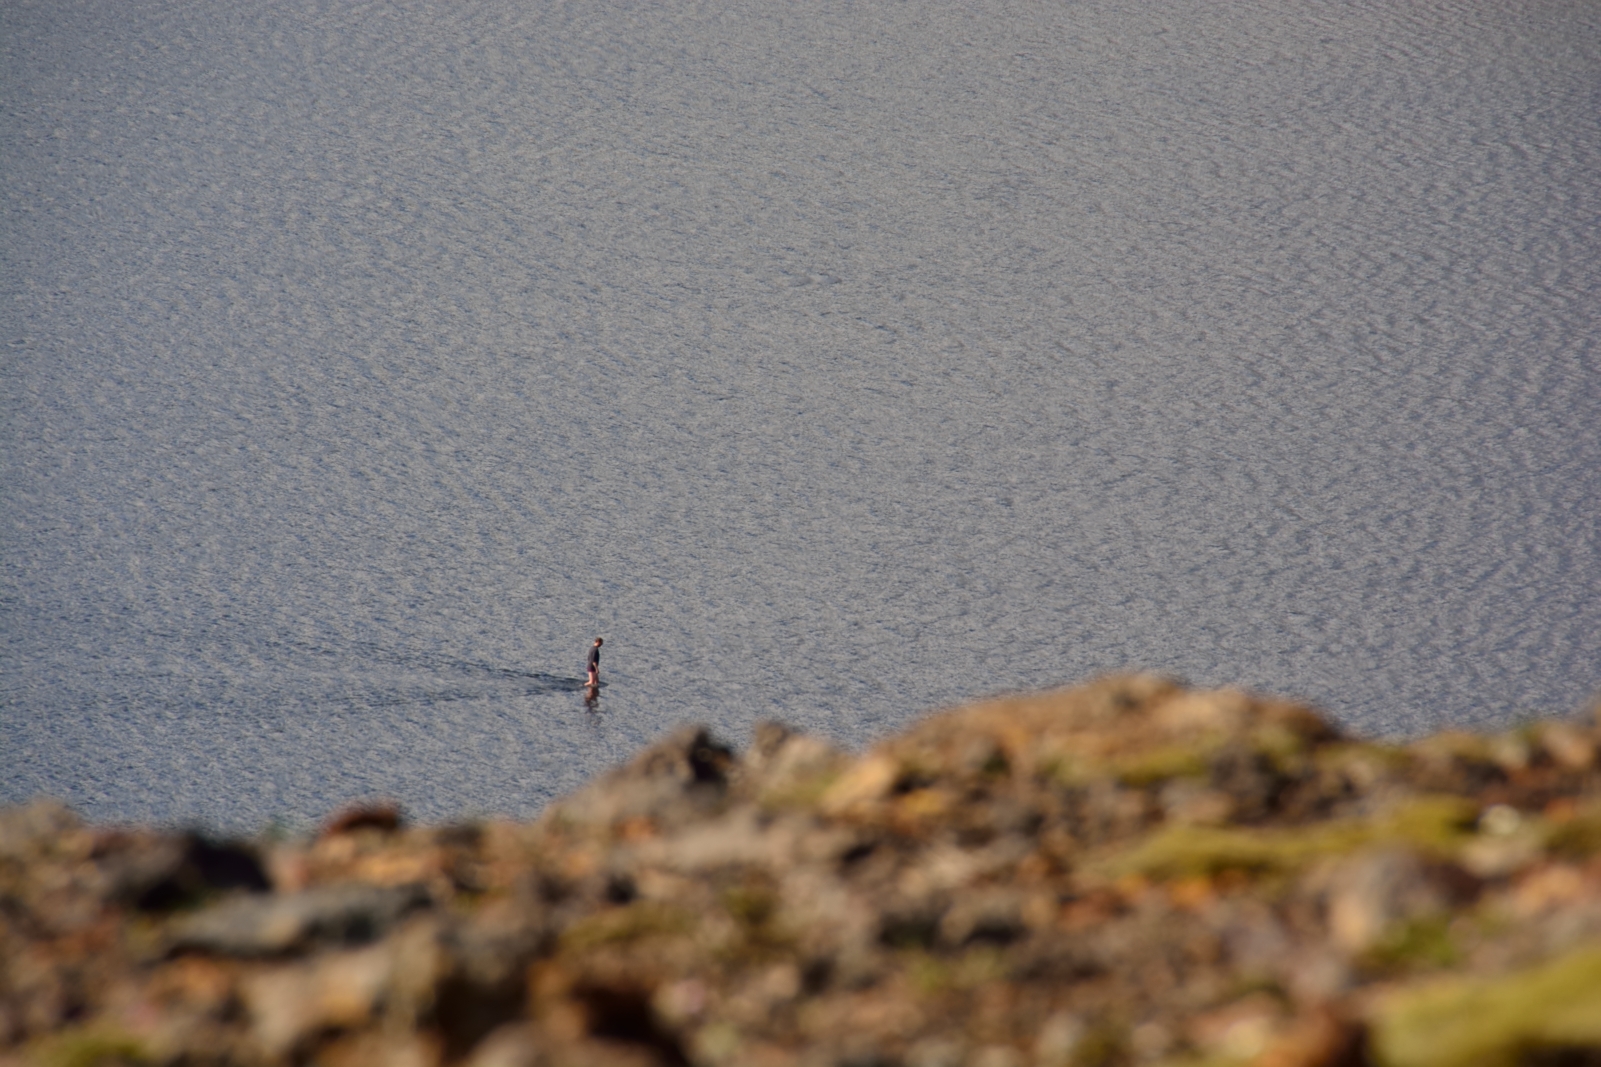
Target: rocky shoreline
<point x="1123" y="873"/>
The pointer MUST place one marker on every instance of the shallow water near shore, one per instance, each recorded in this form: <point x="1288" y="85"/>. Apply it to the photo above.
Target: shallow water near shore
<point x="835" y="363"/>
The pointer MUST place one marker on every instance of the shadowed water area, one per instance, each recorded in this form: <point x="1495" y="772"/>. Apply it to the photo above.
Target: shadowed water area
<point x="834" y="361"/>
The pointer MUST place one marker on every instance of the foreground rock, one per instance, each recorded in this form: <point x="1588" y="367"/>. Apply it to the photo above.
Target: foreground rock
<point x="1125" y="873"/>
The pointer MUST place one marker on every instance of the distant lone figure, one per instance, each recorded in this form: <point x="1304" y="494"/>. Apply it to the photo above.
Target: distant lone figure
<point x="594" y="661"/>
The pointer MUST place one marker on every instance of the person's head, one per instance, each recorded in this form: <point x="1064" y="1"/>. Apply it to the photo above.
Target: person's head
<point x="599" y="641"/>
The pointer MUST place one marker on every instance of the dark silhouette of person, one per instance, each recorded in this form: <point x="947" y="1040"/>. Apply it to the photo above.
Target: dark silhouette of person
<point x="594" y="662"/>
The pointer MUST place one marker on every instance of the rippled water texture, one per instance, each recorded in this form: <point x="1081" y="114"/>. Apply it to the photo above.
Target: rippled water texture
<point x="835" y="361"/>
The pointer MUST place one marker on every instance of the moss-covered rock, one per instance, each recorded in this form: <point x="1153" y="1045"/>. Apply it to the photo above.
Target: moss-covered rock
<point x="1496" y="1021"/>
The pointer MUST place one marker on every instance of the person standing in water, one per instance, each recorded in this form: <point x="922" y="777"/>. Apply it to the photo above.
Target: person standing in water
<point x="594" y="662"/>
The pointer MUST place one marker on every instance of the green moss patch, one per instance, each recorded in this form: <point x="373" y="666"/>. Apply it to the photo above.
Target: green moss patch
<point x="799" y="793"/>
<point x="1494" y="1022"/>
<point x="1578" y="837"/>
<point x="1166" y="763"/>
<point x="1435" y="824"/>
<point x="1422" y="944"/>
<point x="621" y="926"/>
<point x="92" y="1048"/>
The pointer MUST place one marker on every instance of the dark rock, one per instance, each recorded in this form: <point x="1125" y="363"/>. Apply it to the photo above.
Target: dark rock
<point x="910" y="926"/>
<point x="622" y="1014"/>
<point x="168" y="873"/>
<point x="383" y="815"/>
<point x="994" y="916"/>
<point x="1249" y="778"/>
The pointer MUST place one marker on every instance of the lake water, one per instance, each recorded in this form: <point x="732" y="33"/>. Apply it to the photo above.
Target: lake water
<point x="835" y="361"/>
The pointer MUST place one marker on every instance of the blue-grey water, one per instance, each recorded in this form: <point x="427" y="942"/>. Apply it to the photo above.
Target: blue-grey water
<point x="835" y="361"/>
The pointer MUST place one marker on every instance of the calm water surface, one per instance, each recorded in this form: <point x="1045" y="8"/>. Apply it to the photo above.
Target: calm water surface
<point x="835" y="361"/>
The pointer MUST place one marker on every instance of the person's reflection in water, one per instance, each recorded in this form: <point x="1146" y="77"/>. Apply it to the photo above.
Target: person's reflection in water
<point x="592" y="697"/>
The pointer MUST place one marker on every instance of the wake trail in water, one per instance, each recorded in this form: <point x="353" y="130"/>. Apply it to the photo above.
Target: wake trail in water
<point x="365" y="654"/>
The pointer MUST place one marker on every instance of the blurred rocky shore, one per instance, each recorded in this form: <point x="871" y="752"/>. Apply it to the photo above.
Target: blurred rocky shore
<point x="1125" y="873"/>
